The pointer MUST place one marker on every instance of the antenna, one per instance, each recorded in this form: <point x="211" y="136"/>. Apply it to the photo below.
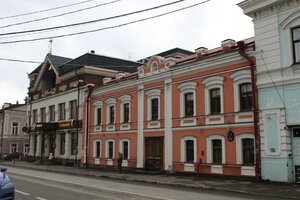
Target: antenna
<point x="50" y="46"/>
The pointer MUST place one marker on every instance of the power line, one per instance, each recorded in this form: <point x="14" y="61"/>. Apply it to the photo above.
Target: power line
<point x="17" y="60"/>
<point x="49" y="9"/>
<point x="106" y="28"/>
<point x="92" y="21"/>
<point x="59" y="15"/>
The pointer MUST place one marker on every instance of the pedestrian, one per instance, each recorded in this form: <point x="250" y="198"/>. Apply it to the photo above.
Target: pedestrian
<point x="119" y="160"/>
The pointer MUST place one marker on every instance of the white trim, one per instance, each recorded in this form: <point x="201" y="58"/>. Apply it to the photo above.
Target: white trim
<point x="239" y="146"/>
<point x="111" y="102"/>
<point x="209" y="147"/>
<point x="140" y="135"/>
<point x="239" y="77"/>
<point x="183" y="148"/>
<point x="216" y="169"/>
<point x="189" y="87"/>
<point x="215" y="82"/>
<point x="121" y="145"/>
<point x="153" y="94"/>
<point x="107" y="149"/>
<point x="123" y="100"/>
<point x="96" y="159"/>
<point x="98" y="104"/>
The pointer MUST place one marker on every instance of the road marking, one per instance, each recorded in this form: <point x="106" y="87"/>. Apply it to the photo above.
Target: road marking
<point x="133" y="193"/>
<point x="24" y="193"/>
<point x="40" y="198"/>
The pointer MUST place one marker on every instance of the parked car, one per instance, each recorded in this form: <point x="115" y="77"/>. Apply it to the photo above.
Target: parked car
<point x="13" y="156"/>
<point x="7" y="189"/>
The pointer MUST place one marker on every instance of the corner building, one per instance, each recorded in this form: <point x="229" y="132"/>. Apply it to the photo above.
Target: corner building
<point x="191" y="114"/>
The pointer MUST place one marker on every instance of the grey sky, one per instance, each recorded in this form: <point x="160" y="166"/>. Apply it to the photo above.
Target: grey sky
<point x="204" y="25"/>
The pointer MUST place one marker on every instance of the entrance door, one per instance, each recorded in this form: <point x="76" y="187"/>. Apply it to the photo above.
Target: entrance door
<point x="296" y="153"/>
<point x="154" y="153"/>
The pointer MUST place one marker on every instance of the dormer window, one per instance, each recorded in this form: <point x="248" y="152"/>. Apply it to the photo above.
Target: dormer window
<point x="154" y="67"/>
<point x="296" y="44"/>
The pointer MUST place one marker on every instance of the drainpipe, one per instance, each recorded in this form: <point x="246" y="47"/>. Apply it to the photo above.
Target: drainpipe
<point x="90" y="90"/>
<point x="241" y="45"/>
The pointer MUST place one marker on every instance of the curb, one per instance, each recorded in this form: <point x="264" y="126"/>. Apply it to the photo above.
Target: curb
<point x="139" y="180"/>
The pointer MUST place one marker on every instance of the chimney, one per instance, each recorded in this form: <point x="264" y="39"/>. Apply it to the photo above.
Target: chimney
<point x="228" y="43"/>
<point x="201" y="50"/>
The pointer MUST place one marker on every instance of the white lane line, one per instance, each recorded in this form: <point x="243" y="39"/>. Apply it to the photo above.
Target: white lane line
<point x="40" y="198"/>
<point x="24" y="193"/>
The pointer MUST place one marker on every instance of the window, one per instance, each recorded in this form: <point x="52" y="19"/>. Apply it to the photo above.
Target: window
<point x="52" y="113"/>
<point x="97" y="149"/>
<point x="73" y="109"/>
<point x="74" y="143"/>
<point x="189" y="104"/>
<point x="189" y="145"/>
<point x="187" y="99"/>
<point x="154" y="67"/>
<point x="215" y="103"/>
<point x="43" y="114"/>
<point x="245" y="96"/>
<point x="124" y="148"/>
<point x="215" y="148"/>
<point x="217" y="151"/>
<point x="62" y="143"/>
<point x="34" y="120"/>
<point x="14" y="130"/>
<point x="188" y="149"/>
<point x="125" y="101"/>
<point x="296" y="44"/>
<point x="111" y="114"/>
<point x="62" y="111"/>
<point x="125" y="112"/>
<point x="248" y="151"/>
<point x="26" y="149"/>
<point x="98" y="115"/>
<point x="214" y="96"/>
<point x="110" y="149"/>
<point x="13" y="148"/>
<point x="154" y="109"/>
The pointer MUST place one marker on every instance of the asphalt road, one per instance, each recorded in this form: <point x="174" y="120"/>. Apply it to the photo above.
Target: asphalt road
<point x="41" y="185"/>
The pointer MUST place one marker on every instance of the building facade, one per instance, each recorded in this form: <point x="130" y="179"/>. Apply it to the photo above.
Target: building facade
<point x="192" y="114"/>
<point x="12" y="119"/>
<point x="55" y="103"/>
<point x="277" y="39"/>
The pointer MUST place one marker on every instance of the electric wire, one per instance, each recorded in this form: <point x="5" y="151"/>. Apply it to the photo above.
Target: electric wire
<point x="59" y="15"/>
<point x="106" y="28"/>
<point x="92" y="21"/>
<point x="45" y="10"/>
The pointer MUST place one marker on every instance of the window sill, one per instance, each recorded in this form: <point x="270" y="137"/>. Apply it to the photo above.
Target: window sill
<point x="188" y="121"/>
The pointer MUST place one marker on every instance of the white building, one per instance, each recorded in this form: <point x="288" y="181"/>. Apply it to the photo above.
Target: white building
<point x="277" y="39"/>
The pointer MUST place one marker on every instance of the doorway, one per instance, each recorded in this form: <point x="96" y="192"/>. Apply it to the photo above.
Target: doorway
<point x="296" y="153"/>
<point x="154" y="153"/>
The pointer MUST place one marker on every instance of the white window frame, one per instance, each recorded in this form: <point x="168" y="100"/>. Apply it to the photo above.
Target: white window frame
<point x="98" y="104"/>
<point x="153" y="94"/>
<point x="16" y="148"/>
<point x="240" y="77"/>
<point x="183" y="148"/>
<point x="188" y="87"/>
<point x="121" y="145"/>
<point x="123" y="100"/>
<point x="107" y="149"/>
<point x="110" y="102"/>
<point x="215" y="82"/>
<point x="95" y="149"/>
<point x="209" y="150"/>
<point x="239" y="146"/>
<point x="291" y="22"/>
<point x="14" y="129"/>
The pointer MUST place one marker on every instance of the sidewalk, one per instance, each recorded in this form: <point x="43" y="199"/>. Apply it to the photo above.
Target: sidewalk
<point x="270" y="189"/>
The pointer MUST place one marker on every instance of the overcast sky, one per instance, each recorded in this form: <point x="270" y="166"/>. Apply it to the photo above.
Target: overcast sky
<point x="204" y="25"/>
